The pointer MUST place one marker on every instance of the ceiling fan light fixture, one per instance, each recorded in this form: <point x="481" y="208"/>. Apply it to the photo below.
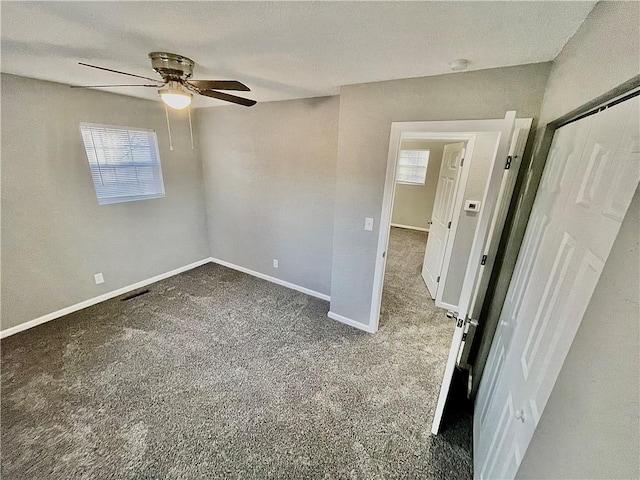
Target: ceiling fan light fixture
<point x="175" y="97"/>
<point x="176" y="88"/>
<point x="176" y="100"/>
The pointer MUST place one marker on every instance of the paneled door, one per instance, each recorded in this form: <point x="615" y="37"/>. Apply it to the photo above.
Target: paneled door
<point x="591" y="175"/>
<point x="441" y="218"/>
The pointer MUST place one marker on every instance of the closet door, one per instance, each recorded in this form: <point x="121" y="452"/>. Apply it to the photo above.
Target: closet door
<point x="589" y="180"/>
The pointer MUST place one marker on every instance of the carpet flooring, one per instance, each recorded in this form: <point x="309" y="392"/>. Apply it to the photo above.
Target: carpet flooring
<point x="217" y="374"/>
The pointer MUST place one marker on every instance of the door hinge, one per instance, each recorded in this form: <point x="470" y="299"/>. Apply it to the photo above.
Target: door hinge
<point x="484" y="260"/>
<point x="438" y="280"/>
<point x="454" y="315"/>
<point x="449" y="225"/>
<point x="464" y="337"/>
<point x="508" y="164"/>
<point x="464" y="152"/>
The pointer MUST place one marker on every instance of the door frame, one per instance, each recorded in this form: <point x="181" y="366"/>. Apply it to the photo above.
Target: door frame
<point x="415" y="131"/>
<point x="504" y="127"/>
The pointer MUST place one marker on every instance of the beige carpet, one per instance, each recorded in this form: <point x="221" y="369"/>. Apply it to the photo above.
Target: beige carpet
<point x="216" y="374"/>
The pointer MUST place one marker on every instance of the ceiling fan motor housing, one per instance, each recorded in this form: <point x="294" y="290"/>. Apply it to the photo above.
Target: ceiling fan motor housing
<point x="172" y="66"/>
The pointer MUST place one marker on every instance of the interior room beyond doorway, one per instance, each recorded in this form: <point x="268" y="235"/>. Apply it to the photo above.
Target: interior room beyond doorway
<point x="413" y="201"/>
<point x="421" y="183"/>
<point x="424" y="193"/>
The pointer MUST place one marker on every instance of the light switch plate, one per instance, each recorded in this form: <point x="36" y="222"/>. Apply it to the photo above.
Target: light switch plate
<point x="99" y="278"/>
<point x="275" y="263"/>
<point x="368" y="224"/>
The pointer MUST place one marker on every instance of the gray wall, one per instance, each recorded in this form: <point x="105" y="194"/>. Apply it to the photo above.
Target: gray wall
<point x="413" y="204"/>
<point x="589" y="428"/>
<point x="481" y="160"/>
<point x="602" y="54"/>
<point x="55" y="236"/>
<point x="366" y="113"/>
<point x="270" y="181"/>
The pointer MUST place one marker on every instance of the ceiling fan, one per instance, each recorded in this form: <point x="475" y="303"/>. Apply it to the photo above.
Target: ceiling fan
<point x="176" y="87"/>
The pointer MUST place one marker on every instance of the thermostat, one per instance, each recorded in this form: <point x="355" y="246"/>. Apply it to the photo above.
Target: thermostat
<point x="472" y="205"/>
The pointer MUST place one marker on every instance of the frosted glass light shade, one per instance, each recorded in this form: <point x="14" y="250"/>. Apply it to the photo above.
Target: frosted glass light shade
<point x="176" y="99"/>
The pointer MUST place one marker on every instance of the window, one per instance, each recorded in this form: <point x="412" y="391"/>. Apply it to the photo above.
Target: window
<point x="124" y="162"/>
<point x="412" y="167"/>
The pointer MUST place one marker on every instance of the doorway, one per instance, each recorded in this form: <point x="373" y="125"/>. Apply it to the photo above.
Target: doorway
<point x="432" y="204"/>
<point x="420" y="267"/>
<point x="426" y="183"/>
<point x="482" y="140"/>
<point x="491" y="185"/>
<point x="445" y="204"/>
<point x="428" y="175"/>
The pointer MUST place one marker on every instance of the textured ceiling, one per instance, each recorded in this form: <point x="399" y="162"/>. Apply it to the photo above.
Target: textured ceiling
<point x="281" y="50"/>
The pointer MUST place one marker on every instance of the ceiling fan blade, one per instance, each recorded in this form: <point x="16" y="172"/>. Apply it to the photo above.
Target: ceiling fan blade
<point x="228" y="98"/>
<point x="219" y="85"/>
<point x="104" y="86"/>
<point x="121" y="73"/>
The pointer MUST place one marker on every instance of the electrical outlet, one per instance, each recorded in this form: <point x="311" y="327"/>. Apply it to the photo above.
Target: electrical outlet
<point x="99" y="278"/>
<point x="275" y="263"/>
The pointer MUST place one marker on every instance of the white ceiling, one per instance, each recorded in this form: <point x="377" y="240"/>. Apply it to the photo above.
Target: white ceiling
<point x="281" y="50"/>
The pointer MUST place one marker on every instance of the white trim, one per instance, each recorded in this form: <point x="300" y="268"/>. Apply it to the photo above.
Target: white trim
<point x="350" y="322"/>
<point x="269" y="278"/>
<point x="100" y="298"/>
<point x="410" y="227"/>
<point x="448" y="306"/>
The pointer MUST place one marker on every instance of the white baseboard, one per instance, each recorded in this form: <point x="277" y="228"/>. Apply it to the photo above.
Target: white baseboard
<point x="350" y="322"/>
<point x="410" y="227"/>
<point x="143" y="283"/>
<point x="101" y="298"/>
<point x="269" y="278"/>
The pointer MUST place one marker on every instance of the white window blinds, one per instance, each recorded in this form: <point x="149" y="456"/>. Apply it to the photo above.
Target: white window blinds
<point x="412" y="166"/>
<point x="124" y="162"/>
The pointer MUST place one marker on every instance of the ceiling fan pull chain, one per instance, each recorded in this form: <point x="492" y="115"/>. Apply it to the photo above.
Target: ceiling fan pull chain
<point x="166" y="111"/>
<point x="190" y="126"/>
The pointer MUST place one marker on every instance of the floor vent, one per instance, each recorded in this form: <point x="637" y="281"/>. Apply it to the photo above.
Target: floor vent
<point x="134" y="295"/>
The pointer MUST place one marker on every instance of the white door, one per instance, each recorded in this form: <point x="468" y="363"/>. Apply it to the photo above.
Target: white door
<point x="489" y="201"/>
<point x="442" y="212"/>
<point x="588" y="183"/>
<point x="516" y="152"/>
